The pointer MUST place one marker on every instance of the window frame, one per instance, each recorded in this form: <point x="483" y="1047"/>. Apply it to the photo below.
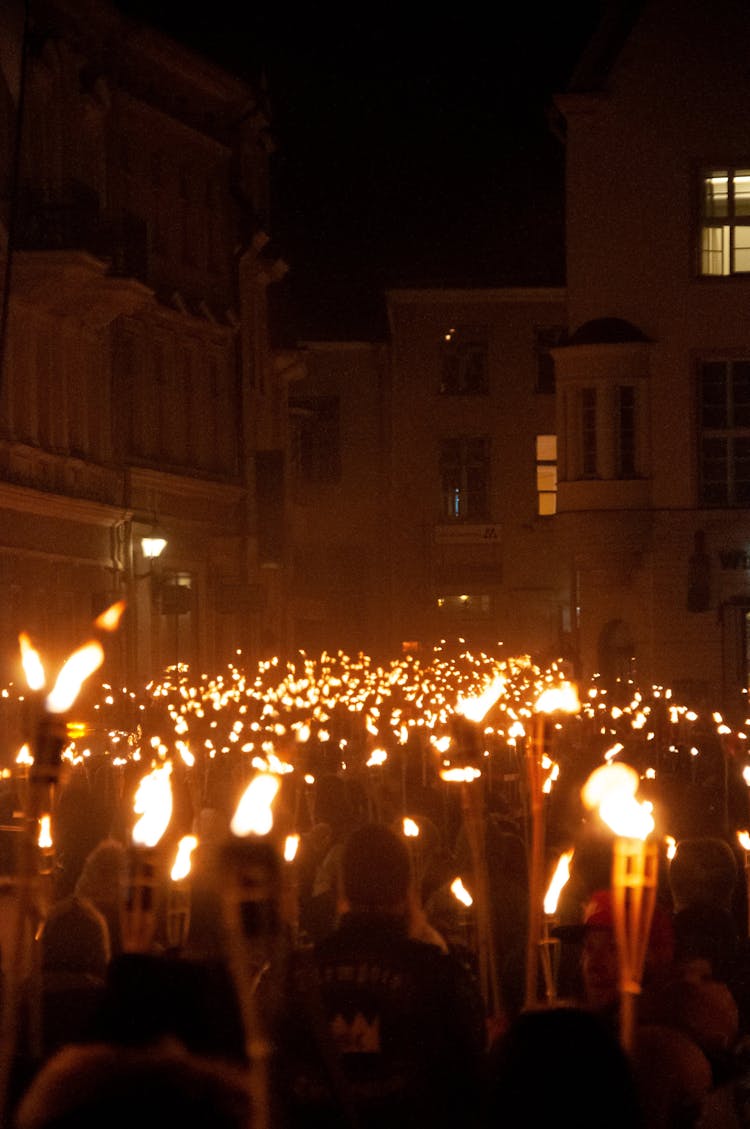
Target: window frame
<point x="471" y="461"/>
<point x="462" y="347"/>
<point x="721" y="431"/>
<point x="725" y="225"/>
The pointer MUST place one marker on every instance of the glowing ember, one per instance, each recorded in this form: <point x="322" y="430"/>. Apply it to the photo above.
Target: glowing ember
<point x="181" y="866"/>
<point x="153" y="803"/>
<point x="254" y="813"/>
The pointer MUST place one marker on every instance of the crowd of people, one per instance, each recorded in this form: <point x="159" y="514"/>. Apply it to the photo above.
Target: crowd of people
<point x="347" y="991"/>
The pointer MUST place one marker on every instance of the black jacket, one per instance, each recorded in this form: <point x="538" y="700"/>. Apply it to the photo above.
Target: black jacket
<point x="380" y="1030"/>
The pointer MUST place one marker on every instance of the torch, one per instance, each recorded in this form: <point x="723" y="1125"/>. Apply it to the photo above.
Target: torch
<point x="550" y="945"/>
<point x="611" y="789"/>
<point x="177" y="918"/>
<point x="41" y="778"/>
<point x="555" y="699"/>
<point x="251" y="889"/>
<point x="142" y="874"/>
<point x="743" y="838"/>
<point x="469" y="713"/>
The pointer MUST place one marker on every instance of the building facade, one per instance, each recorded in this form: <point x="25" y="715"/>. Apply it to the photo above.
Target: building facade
<point x="139" y="390"/>
<point x="652" y="386"/>
<point x="425" y="480"/>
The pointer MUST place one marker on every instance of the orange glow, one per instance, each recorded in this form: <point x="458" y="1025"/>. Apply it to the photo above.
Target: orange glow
<point x="254" y="813"/>
<point x="32" y="663"/>
<point x="558" y="881"/>
<point x="611" y="788"/>
<point x="109" y="619"/>
<point x="460" y="892"/>
<point x="153" y="803"/>
<point x="74" y="672"/>
<point x="182" y="862"/>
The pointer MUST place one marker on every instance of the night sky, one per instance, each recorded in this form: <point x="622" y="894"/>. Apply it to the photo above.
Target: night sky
<point x="412" y="149"/>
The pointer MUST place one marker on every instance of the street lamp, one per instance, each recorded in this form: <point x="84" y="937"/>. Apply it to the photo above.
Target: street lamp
<point x="153" y="546"/>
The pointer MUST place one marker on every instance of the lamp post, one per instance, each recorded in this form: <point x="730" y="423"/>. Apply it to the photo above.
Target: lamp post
<point x="146" y="550"/>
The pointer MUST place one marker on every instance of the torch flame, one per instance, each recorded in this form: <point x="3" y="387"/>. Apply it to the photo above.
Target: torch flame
<point x="73" y="673"/>
<point x="558" y="698"/>
<point x="109" y="619"/>
<point x="185" y="848"/>
<point x="460" y="775"/>
<point x="611" y="788"/>
<point x="32" y="663"/>
<point x="476" y="706"/>
<point x="411" y="828"/>
<point x="24" y="756"/>
<point x="559" y="879"/>
<point x="45" y="832"/>
<point x="254" y="812"/>
<point x="744" y="840"/>
<point x="291" y="846"/>
<point x="153" y="803"/>
<point x="460" y="892"/>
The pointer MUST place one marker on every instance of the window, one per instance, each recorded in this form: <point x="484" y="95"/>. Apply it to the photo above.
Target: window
<point x="724" y="407"/>
<point x="467" y="606"/>
<point x="544" y="340"/>
<point x="464" y="362"/>
<point x="588" y="433"/>
<point x="465" y="476"/>
<point x="315" y="439"/>
<point x="546" y="474"/>
<point x="625" y="433"/>
<point x="725" y="222"/>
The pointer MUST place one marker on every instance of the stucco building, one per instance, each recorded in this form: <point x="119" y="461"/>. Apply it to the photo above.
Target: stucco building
<point x="652" y="386"/>
<point x="139" y="390"/>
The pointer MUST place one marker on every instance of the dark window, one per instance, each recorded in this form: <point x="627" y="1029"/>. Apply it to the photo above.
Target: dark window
<point x="315" y="439"/>
<point x="464" y="363"/>
<point x="465" y="478"/>
<point x="544" y="340"/>
<point x="626" y="431"/>
<point x="588" y="433"/>
<point x="724" y="413"/>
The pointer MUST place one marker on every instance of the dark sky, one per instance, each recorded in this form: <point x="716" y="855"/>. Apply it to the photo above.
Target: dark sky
<point x="412" y="149"/>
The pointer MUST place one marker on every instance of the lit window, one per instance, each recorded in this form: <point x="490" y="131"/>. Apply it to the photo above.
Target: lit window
<point x="464" y="362"/>
<point x="724" y="410"/>
<point x="465" y="478"/>
<point x="725" y="222"/>
<point x="465" y="606"/>
<point x="546" y="474"/>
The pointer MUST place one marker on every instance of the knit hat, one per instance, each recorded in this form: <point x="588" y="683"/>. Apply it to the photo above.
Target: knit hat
<point x="375" y="867"/>
<point x="599" y="914"/>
